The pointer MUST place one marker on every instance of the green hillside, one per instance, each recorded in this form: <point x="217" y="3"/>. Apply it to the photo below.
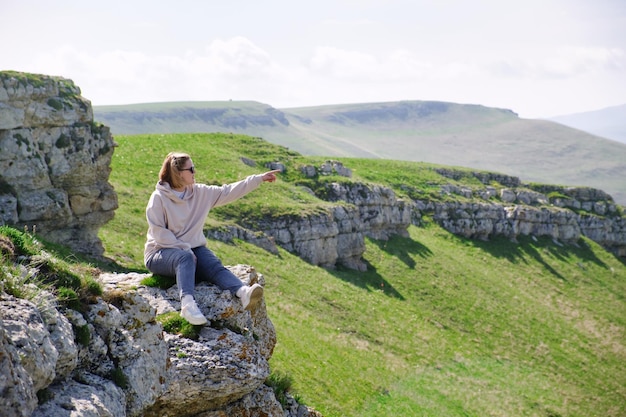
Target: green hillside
<point x="421" y="131"/>
<point x="437" y="326"/>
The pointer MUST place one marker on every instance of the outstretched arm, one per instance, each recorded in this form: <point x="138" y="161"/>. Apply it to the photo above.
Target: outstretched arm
<point x="228" y="193"/>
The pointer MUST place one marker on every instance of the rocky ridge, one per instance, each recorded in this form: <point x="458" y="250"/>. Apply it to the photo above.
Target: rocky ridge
<point x="509" y="209"/>
<point x="561" y="213"/>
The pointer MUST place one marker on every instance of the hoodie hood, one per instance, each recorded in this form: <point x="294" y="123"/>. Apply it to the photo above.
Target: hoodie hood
<point x="166" y="190"/>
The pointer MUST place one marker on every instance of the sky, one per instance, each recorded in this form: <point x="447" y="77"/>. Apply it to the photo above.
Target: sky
<point x="538" y="58"/>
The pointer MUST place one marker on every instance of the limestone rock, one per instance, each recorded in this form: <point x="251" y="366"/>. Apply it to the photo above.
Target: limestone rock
<point x="335" y="236"/>
<point x="87" y="396"/>
<point x="227" y="362"/>
<point x="135" y="344"/>
<point x="259" y="403"/>
<point x="610" y="232"/>
<point x="381" y="214"/>
<point x="219" y="368"/>
<point x="325" y="239"/>
<point x="114" y="358"/>
<point x="55" y="161"/>
<point x="27" y="332"/>
<point x="17" y="394"/>
<point x="61" y="334"/>
<point x="485" y="220"/>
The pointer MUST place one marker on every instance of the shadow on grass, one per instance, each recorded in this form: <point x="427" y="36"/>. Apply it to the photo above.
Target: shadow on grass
<point x="110" y="265"/>
<point x="402" y="248"/>
<point x="537" y="249"/>
<point x="399" y="247"/>
<point x="369" y="280"/>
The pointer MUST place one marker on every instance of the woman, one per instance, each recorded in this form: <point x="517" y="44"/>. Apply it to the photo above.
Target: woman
<point x="176" y="245"/>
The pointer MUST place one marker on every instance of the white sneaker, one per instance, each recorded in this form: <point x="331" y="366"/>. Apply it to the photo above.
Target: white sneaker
<point x="190" y="311"/>
<point x="250" y="296"/>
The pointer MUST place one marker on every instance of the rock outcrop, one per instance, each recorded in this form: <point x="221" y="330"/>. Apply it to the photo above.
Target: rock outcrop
<point x="114" y="358"/>
<point x="564" y="214"/>
<point x="54" y="161"/>
<point x="336" y="236"/>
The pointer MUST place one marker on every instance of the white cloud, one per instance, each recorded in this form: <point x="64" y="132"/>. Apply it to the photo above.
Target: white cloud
<point x="224" y="68"/>
<point x="237" y="68"/>
<point x="342" y="64"/>
<point x="563" y="63"/>
<point x="236" y="57"/>
<point x="399" y="65"/>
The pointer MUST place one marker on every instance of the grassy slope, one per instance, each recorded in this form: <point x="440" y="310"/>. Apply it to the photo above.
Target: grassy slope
<point x="477" y="137"/>
<point x="444" y="133"/>
<point x="438" y="325"/>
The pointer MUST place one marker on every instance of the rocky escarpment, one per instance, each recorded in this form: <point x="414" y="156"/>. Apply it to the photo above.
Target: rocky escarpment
<point x="503" y="206"/>
<point x="334" y="236"/>
<point x="329" y="238"/>
<point x="54" y="161"/>
<point x="562" y="213"/>
<point x="114" y="359"/>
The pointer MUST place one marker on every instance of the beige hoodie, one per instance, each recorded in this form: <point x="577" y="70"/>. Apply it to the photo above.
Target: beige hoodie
<point x="178" y="223"/>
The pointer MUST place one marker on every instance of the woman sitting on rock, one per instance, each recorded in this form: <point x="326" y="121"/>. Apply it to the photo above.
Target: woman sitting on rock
<point x="176" y="245"/>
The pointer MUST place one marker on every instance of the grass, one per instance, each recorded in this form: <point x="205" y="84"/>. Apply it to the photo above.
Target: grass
<point x="173" y="323"/>
<point x="445" y="326"/>
<point x="281" y="385"/>
<point x="44" y="266"/>
<point x="24" y="78"/>
<point x="158" y="281"/>
<point x="437" y="325"/>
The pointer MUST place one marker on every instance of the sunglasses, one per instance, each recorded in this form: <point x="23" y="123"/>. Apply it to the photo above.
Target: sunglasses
<point x="192" y="169"/>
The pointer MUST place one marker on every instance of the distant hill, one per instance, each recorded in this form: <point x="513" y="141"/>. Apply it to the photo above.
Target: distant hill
<point x="609" y="123"/>
<point x="438" y="132"/>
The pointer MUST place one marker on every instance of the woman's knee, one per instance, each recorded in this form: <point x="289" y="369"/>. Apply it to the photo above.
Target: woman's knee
<point x="169" y="261"/>
<point x="186" y="258"/>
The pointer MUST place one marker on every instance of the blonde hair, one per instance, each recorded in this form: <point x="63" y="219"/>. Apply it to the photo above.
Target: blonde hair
<point x="170" y="170"/>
